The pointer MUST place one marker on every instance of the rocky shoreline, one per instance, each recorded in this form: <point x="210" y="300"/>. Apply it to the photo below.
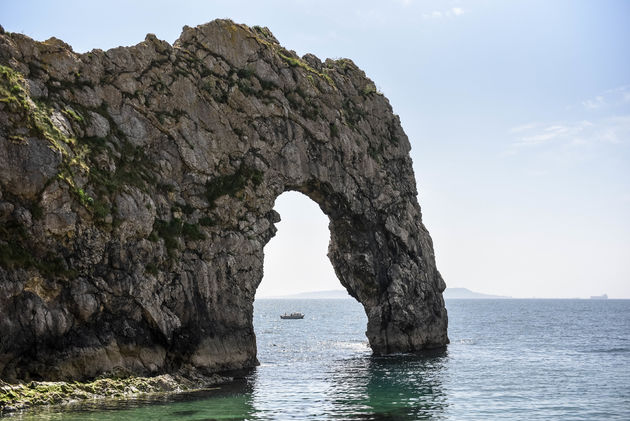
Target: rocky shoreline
<point x="20" y="396"/>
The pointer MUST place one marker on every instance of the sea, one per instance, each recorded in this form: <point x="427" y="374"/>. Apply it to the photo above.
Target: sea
<point x="508" y="359"/>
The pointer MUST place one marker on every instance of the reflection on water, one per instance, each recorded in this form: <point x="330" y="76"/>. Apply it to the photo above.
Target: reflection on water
<point x="322" y="368"/>
<point x="402" y="387"/>
<point x="389" y="388"/>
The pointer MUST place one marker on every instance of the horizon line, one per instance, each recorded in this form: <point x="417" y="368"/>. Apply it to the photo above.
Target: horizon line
<point x="505" y="297"/>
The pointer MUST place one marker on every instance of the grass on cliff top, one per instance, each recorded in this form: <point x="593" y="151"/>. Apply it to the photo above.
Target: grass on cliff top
<point x="286" y="56"/>
<point x="296" y="62"/>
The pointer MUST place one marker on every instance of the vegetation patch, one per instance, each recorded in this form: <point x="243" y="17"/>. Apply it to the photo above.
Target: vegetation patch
<point x="171" y="230"/>
<point x="393" y="137"/>
<point x="191" y="231"/>
<point x="374" y="152"/>
<point x="300" y="101"/>
<point x="85" y="199"/>
<point x="246" y="87"/>
<point x="37" y="212"/>
<point x="206" y="221"/>
<point x="15" y="253"/>
<point x="73" y="115"/>
<point x="132" y="168"/>
<point x="353" y="114"/>
<point x="267" y="85"/>
<point x="334" y="130"/>
<point x="345" y="64"/>
<point x="263" y="31"/>
<point x="165" y="188"/>
<point x="36" y="118"/>
<point x="23" y="395"/>
<point x="231" y="184"/>
<point x="217" y="90"/>
<point x="184" y="207"/>
<point x="368" y="90"/>
<point x="245" y="73"/>
<point x="296" y="62"/>
<point x="152" y="269"/>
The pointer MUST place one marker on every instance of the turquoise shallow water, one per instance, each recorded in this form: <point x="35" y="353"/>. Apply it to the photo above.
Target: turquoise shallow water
<point x="509" y="359"/>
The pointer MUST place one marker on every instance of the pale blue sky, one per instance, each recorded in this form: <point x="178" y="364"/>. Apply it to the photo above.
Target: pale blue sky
<point x="518" y="113"/>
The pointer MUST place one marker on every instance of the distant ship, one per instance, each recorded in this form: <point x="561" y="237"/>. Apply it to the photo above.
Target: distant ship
<point x="599" y="297"/>
<point x="292" y="316"/>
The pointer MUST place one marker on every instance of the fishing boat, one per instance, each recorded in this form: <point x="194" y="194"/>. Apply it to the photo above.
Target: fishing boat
<point x="292" y="316"/>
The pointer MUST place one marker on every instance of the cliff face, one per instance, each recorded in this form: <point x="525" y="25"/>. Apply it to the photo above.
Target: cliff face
<point x="136" y="195"/>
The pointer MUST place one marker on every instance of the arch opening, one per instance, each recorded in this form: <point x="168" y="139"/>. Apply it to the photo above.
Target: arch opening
<point x="295" y="259"/>
<point x="380" y="264"/>
<point x="298" y="276"/>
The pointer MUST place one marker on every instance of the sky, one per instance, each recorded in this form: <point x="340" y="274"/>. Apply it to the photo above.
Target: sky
<point x="518" y="113"/>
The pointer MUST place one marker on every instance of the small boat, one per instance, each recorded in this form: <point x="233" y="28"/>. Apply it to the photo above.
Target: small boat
<point x="292" y="316"/>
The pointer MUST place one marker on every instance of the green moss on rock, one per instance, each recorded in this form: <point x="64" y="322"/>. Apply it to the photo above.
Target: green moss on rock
<point x="24" y="395"/>
<point x="296" y="62"/>
<point x="171" y="230"/>
<point x="231" y="184"/>
<point x="16" y="252"/>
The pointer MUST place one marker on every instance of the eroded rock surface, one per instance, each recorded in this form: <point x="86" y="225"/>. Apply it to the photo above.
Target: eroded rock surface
<point x="137" y="192"/>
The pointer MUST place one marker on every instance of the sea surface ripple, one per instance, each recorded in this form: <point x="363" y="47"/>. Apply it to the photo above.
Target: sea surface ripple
<point x="508" y="359"/>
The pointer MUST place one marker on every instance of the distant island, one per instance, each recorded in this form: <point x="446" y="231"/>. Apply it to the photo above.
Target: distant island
<point x="314" y="295"/>
<point x="460" y="293"/>
<point x="456" y="293"/>
<point x="449" y="293"/>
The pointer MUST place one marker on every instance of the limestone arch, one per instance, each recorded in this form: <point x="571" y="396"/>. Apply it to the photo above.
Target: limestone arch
<point x="385" y="270"/>
<point x="156" y="220"/>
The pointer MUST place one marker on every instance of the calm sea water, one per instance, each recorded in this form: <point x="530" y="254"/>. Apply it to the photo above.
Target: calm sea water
<point x="509" y="359"/>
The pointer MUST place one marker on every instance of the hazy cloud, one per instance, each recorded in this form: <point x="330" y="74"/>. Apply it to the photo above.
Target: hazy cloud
<point x="611" y="97"/>
<point x="597" y="102"/>
<point x="611" y="130"/>
<point x="592" y="130"/>
<point x="522" y="128"/>
<point x="439" y="14"/>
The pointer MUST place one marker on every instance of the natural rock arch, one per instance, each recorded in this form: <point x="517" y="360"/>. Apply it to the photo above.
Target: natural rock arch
<point x="137" y="192"/>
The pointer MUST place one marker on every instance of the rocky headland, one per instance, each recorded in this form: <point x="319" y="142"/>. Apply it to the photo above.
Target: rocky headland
<point x="137" y="188"/>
